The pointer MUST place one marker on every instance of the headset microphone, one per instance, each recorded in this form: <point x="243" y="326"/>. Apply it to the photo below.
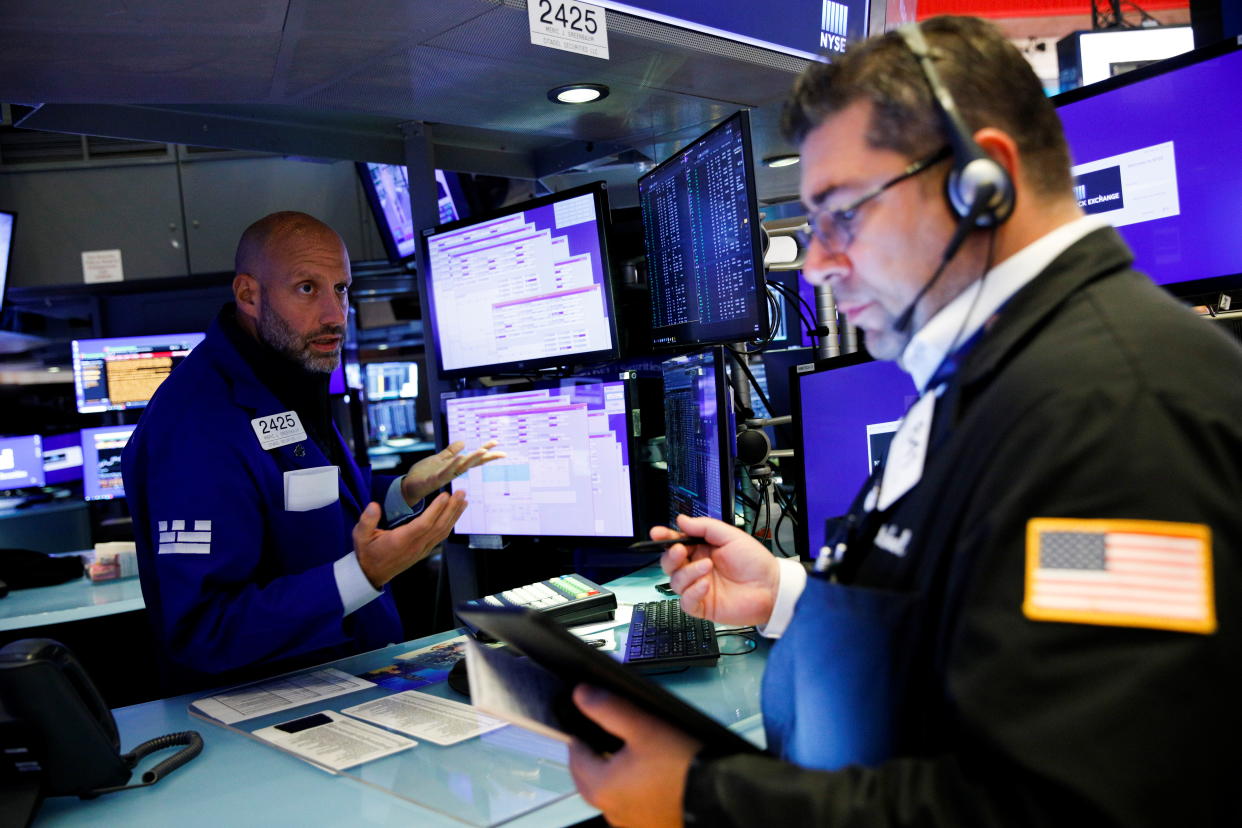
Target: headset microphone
<point x="964" y="226"/>
<point x="978" y="189"/>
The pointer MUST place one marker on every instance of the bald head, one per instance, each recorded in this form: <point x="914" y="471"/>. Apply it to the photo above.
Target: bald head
<point x="292" y="287"/>
<point x="266" y="243"/>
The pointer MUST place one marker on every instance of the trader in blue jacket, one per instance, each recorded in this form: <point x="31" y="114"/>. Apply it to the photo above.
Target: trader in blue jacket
<point x="260" y="540"/>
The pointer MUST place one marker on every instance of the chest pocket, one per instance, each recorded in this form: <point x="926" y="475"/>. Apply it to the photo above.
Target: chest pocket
<point x="308" y="489"/>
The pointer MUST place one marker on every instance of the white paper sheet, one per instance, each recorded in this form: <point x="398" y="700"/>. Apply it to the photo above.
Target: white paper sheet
<point x="278" y="694"/>
<point x="443" y="721"/>
<point x="333" y="740"/>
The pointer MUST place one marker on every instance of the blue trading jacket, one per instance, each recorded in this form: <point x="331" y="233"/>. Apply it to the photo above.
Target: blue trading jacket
<point x="230" y="577"/>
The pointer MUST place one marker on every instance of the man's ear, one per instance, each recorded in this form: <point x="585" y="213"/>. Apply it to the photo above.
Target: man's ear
<point x="246" y="294"/>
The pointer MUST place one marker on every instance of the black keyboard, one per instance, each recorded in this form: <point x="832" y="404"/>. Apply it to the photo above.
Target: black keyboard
<point x="568" y="599"/>
<point x="662" y="637"/>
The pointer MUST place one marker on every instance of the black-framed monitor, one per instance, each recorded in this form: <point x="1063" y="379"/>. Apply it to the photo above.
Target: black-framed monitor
<point x="21" y="462"/>
<point x="1156" y="151"/>
<point x="62" y="458"/>
<point x="701" y="231"/>
<point x="526" y="287"/>
<point x="387" y="188"/>
<point x="101" y="461"/>
<point x="700" y="435"/>
<point x="845" y="412"/>
<point x="8" y="223"/>
<point x="570" y="467"/>
<point x="123" y="372"/>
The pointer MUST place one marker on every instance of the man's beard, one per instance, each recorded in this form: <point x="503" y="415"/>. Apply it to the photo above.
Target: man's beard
<point x="274" y="331"/>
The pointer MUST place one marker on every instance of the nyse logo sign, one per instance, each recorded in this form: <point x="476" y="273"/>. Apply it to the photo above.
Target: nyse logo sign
<point x="833" y="22"/>
<point x="1099" y="191"/>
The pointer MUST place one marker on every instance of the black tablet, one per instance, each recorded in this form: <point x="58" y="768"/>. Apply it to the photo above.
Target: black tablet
<point x="569" y="661"/>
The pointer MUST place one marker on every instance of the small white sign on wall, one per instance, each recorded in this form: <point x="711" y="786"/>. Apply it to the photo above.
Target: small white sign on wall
<point x="102" y="266"/>
<point x="568" y="25"/>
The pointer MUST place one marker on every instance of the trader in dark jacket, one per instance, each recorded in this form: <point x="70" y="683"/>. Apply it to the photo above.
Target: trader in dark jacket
<point x="1030" y="615"/>
<point x="259" y="538"/>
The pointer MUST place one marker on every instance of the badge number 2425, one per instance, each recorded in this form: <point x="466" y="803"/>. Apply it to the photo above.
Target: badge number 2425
<point x="569" y="15"/>
<point x="276" y="430"/>
<point x="277" y="423"/>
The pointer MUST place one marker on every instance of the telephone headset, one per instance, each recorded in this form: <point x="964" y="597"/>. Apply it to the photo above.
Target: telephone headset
<point x="979" y="191"/>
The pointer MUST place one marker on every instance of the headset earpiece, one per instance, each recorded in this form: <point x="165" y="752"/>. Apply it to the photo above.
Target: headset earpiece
<point x="978" y="188"/>
<point x="981" y="180"/>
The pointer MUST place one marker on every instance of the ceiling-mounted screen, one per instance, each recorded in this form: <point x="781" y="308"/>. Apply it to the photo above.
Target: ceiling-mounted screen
<point x="388" y="192"/>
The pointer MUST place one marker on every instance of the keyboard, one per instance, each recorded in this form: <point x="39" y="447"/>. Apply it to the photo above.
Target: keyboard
<point x="567" y="599"/>
<point x="662" y="637"/>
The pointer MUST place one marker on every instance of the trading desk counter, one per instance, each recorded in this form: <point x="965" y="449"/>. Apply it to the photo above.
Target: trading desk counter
<point x="76" y="600"/>
<point x="509" y="775"/>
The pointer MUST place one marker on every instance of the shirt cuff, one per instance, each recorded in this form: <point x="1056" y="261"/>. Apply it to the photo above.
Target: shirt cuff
<point x="396" y="510"/>
<point x="356" y="591"/>
<point x="788" y="591"/>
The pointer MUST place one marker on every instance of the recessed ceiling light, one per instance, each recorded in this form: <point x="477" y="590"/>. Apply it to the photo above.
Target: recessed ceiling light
<point x="784" y="160"/>
<point x="578" y="93"/>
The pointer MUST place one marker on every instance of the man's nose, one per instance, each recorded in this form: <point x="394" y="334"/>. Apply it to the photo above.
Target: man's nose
<point x="823" y="265"/>
<point x="332" y="308"/>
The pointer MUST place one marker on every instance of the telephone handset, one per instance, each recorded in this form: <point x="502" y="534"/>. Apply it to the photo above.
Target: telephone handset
<point x="74" y="747"/>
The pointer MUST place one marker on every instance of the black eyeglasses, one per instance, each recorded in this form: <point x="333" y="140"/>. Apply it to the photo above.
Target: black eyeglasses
<point x="834" y="229"/>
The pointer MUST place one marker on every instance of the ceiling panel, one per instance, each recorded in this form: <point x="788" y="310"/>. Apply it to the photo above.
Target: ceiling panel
<point x="465" y="66"/>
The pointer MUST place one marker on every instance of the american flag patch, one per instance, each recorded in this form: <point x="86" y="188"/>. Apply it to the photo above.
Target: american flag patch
<point x="1127" y="573"/>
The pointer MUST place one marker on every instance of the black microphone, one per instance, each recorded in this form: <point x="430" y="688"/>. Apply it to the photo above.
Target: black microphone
<point x="983" y="197"/>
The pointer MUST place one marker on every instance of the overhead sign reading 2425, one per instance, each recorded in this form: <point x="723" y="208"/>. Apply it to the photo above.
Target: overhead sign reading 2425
<point x="568" y="25"/>
<point x="807" y="28"/>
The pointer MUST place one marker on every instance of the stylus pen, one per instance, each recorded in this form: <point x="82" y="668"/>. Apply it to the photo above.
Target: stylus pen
<point x="659" y="544"/>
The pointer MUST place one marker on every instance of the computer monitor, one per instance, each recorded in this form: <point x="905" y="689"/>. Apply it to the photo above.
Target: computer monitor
<point x="845" y="412"/>
<point x="392" y="380"/>
<point x="387" y="187"/>
<point x="1092" y="56"/>
<point x="101" y="461"/>
<point x="701" y="231"/>
<point x="1156" y="152"/>
<point x="526" y="287"/>
<point x="62" y="458"/>
<point x="569" y="472"/>
<point x="392" y="418"/>
<point x="123" y="372"/>
<point x="7" y="222"/>
<point x="21" y="462"/>
<point x="700" y="435"/>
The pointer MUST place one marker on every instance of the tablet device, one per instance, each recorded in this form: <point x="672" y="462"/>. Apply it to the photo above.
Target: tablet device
<point x="568" y="661"/>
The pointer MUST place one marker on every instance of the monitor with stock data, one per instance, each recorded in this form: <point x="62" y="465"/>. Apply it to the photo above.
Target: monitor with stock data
<point x="701" y="232"/>
<point x="526" y="287"/>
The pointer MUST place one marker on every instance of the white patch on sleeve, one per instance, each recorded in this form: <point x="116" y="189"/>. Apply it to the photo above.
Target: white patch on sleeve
<point x="175" y="540"/>
<point x="184" y="548"/>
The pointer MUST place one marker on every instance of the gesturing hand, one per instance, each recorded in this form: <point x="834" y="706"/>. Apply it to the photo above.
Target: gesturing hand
<point x="385" y="553"/>
<point x="433" y="472"/>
